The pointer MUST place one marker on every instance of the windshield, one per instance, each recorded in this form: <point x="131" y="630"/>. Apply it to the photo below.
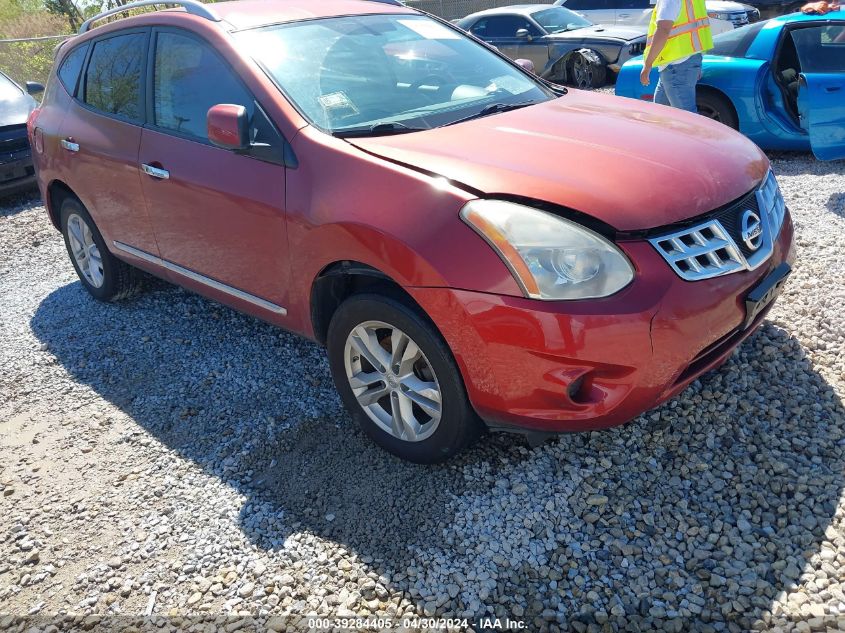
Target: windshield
<point x="558" y="20"/>
<point x="396" y="73"/>
<point x="735" y="43"/>
<point x="8" y="90"/>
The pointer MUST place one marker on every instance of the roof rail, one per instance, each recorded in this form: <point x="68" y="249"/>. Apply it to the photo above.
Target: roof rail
<point x="191" y="6"/>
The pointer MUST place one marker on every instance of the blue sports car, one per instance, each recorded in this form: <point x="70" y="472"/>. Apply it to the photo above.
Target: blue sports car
<point x="780" y="82"/>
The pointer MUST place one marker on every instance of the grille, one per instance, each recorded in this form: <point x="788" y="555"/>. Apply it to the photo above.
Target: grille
<point x="739" y="19"/>
<point x="13" y="138"/>
<point x="715" y="246"/>
<point x="701" y="252"/>
<point x="731" y="220"/>
<point x="637" y="48"/>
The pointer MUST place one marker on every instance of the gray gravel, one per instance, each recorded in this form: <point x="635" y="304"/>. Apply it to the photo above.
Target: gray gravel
<point x="170" y="457"/>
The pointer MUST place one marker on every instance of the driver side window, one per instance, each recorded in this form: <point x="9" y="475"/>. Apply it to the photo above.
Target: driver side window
<point x="503" y="26"/>
<point x="821" y="49"/>
<point x="188" y="79"/>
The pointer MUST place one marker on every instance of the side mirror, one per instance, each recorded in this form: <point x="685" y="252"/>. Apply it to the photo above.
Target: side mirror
<point x="526" y="64"/>
<point x="228" y="126"/>
<point x="34" y="88"/>
<point x="523" y="34"/>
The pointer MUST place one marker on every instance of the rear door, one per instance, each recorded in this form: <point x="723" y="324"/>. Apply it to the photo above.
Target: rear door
<point x="218" y="214"/>
<point x="821" y="87"/>
<point x="100" y="134"/>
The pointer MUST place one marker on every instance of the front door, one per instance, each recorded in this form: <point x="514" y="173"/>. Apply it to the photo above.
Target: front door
<point x="218" y="215"/>
<point x="821" y="87"/>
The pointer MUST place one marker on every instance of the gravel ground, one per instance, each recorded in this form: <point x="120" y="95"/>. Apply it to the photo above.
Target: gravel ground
<point x="170" y="457"/>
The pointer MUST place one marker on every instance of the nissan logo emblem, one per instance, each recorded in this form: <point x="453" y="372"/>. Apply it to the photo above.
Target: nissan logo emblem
<point x="752" y="230"/>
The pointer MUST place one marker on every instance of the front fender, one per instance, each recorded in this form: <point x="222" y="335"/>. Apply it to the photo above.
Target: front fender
<point x="562" y="62"/>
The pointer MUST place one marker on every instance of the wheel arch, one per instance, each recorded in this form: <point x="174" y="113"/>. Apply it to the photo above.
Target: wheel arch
<point x="57" y="192"/>
<point x="340" y="280"/>
<point x="708" y="89"/>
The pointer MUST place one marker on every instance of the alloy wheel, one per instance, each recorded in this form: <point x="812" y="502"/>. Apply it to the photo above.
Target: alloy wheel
<point x="393" y="381"/>
<point x="709" y="112"/>
<point x="84" y="250"/>
<point x="582" y="71"/>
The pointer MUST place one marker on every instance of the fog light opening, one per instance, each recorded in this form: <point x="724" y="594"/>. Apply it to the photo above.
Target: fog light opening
<point x="579" y="389"/>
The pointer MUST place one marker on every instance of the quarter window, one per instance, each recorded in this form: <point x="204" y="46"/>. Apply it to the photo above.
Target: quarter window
<point x="113" y="77"/>
<point x="72" y="64"/>
<point x="188" y="79"/>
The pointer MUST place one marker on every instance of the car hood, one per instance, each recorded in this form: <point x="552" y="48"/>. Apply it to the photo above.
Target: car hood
<point x="15" y="109"/>
<point x="624" y="33"/>
<point x="631" y="164"/>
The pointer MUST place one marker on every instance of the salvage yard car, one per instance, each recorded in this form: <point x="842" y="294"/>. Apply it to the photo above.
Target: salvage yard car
<point x="442" y="220"/>
<point x="563" y="46"/>
<point x="16" y="170"/>
<point x="779" y="82"/>
<point x="724" y="15"/>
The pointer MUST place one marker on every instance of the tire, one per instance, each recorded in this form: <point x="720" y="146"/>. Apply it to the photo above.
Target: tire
<point x="585" y="74"/>
<point x="111" y="279"/>
<point x="715" y="106"/>
<point x="359" y="320"/>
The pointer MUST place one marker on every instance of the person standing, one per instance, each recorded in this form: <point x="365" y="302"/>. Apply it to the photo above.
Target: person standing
<point x="679" y="31"/>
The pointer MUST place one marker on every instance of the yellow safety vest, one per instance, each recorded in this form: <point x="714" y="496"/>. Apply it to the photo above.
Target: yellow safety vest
<point x="690" y="33"/>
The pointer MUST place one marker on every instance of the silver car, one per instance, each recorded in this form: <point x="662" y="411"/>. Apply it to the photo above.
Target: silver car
<point x="564" y="47"/>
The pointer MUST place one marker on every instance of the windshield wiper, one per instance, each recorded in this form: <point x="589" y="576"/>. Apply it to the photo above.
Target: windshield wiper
<point x="378" y="129"/>
<point x="493" y="108"/>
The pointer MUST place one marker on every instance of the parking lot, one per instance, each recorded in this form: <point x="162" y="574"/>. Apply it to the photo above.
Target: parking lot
<point x="170" y="457"/>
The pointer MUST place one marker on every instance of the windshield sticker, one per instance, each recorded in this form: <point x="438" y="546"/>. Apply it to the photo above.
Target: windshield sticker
<point x="430" y="30"/>
<point x="336" y="101"/>
<point x="512" y="85"/>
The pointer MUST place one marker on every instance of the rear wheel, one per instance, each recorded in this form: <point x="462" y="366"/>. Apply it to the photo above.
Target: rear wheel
<point x="103" y="275"/>
<point x="584" y="73"/>
<point x="716" y="107"/>
<point x="398" y="379"/>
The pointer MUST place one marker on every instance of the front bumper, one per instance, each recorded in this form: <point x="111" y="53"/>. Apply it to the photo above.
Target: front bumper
<point x="16" y="172"/>
<point x="571" y="366"/>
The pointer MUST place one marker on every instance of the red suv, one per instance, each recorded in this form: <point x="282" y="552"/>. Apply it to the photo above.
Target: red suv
<point x="469" y="242"/>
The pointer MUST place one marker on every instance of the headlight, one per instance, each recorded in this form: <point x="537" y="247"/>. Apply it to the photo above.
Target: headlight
<point x="551" y="258"/>
<point x="771" y="202"/>
<point x="719" y="15"/>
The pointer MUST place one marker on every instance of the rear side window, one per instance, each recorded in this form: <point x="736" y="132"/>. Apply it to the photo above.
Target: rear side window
<point x="113" y="77"/>
<point x="189" y="78"/>
<point x="72" y="64"/>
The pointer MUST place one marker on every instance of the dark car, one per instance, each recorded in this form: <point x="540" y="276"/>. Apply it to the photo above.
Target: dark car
<point x="16" y="172"/>
<point x="565" y="47"/>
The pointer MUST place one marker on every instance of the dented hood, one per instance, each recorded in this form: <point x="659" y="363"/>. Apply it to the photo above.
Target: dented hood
<point x="631" y="164"/>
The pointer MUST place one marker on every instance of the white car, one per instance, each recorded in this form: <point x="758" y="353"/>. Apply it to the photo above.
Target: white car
<point x="724" y="15"/>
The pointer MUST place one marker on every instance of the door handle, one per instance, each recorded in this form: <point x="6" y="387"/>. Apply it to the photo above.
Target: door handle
<point x="624" y="15"/>
<point x="832" y="88"/>
<point x="69" y="145"/>
<point x="155" y="172"/>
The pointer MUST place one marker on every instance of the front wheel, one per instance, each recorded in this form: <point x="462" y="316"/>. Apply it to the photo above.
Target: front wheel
<point x="585" y="73"/>
<point x="398" y="379"/>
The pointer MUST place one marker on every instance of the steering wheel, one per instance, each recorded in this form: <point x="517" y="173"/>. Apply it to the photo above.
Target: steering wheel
<point x="429" y="80"/>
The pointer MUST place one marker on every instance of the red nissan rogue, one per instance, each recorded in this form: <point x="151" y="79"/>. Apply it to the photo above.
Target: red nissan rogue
<point x="472" y="244"/>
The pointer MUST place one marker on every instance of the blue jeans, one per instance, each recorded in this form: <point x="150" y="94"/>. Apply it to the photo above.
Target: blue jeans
<point x="676" y="86"/>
